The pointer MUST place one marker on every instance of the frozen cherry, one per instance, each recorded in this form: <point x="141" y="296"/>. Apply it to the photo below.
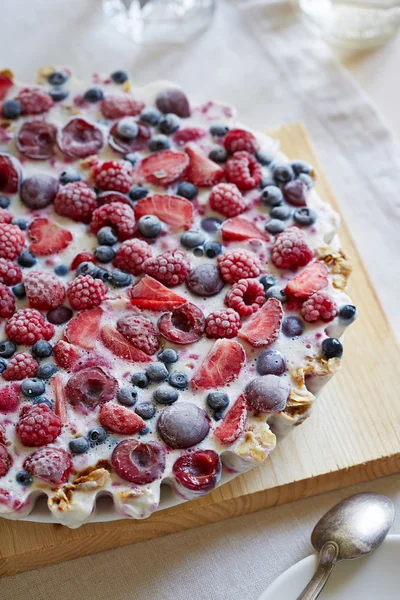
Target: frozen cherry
<point x="268" y="393"/>
<point x="271" y="362"/>
<point x="173" y="100"/>
<point x="205" y="280"/>
<point x="79" y="138"/>
<point x="138" y="462"/>
<point x="183" y="425"/>
<point x="125" y="146"/>
<point x="36" y="139"/>
<point x="90" y="387"/>
<point x="38" y="191"/>
<point x="198" y="471"/>
<point x="10" y="174"/>
<point x="59" y="315"/>
<point x="295" y="193"/>
<point x="292" y="326"/>
<point x="184" y="325"/>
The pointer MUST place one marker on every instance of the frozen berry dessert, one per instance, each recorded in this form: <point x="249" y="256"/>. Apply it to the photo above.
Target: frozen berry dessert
<point x="172" y="295"/>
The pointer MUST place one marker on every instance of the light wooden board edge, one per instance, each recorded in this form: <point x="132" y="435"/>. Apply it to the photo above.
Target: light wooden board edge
<point x="55" y="544"/>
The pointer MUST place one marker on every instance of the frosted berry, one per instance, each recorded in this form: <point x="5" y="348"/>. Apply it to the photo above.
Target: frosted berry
<point x="44" y="290"/>
<point x="238" y="264"/>
<point x="114" y="175"/>
<point x="34" y="101"/>
<point x="9" y="399"/>
<point x="27" y="326"/>
<point x="290" y="249"/>
<point x="131" y="255"/>
<point x="120" y="419"/>
<point x="38" y="425"/>
<point x="239" y="139"/>
<point x="117" y="215"/>
<point x="246" y="296"/>
<point x="120" y="105"/>
<point x="243" y="170"/>
<point x="7" y="302"/>
<point x="52" y="465"/>
<point x="85" y="292"/>
<point x="140" y="331"/>
<point x="10" y="274"/>
<point x="39" y="190"/>
<point x="11" y="241"/>
<point x="227" y="199"/>
<point x="77" y="201"/>
<point x="319" y="306"/>
<point x="5" y="216"/>
<point x="170" y="268"/>
<point x="332" y="348"/>
<point x="222" y="324"/>
<point x="5" y="460"/>
<point x="21" y="365"/>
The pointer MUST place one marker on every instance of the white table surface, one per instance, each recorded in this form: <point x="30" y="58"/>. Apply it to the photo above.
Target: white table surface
<point x="238" y="558"/>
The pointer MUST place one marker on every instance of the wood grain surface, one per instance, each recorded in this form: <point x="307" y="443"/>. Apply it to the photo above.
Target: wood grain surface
<point x="353" y="435"/>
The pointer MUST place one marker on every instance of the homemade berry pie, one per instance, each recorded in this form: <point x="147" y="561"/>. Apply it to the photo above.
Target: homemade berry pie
<point x="172" y="291"/>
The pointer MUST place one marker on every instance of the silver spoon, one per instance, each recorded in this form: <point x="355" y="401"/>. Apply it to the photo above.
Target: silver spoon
<point x="350" y="529"/>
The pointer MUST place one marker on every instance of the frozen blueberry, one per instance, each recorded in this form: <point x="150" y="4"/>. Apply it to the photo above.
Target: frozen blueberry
<point x="61" y="270"/>
<point x="150" y="116"/>
<point x="218" y="154"/>
<point x="97" y="435"/>
<point x="149" y="226"/>
<point x="218" y="401"/>
<point x="218" y="415"/>
<point x="59" y="94"/>
<point x="165" y="394"/>
<point x="211" y="225"/>
<point x="86" y="268"/>
<point x="168" y="356"/>
<point x="119" y="77"/>
<point x="104" y="254"/>
<point x="69" y="176"/>
<point x="106" y="237"/>
<point x="263" y="157"/>
<point x="272" y="195"/>
<point x="212" y="249"/>
<point x="143" y="431"/>
<point x="283" y="173"/>
<point x="292" y="326"/>
<point x="57" y="78"/>
<point x="102" y="274"/>
<point x="60" y="315"/>
<point x="281" y="212"/>
<point x="299" y="166"/>
<point x="157" y="371"/>
<point x="275" y="226"/>
<point x="132" y="157"/>
<point x="187" y="190"/>
<point x="79" y="445"/>
<point x="127" y="128"/>
<point x="32" y="387"/>
<point x="43" y="400"/>
<point x="120" y="279"/>
<point x="46" y="371"/>
<point x="307" y="179"/>
<point x="145" y="410"/>
<point x="26" y="259"/>
<point x="3" y="364"/>
<point x="127" y="396"/>
<point x="24" y="478"/>
<point x="7" y="349"/>
<point x="332" y="348"/>
<point x="265" y="182"/>
<point x="347" y="314"/>
<point x="11" y="109"/>
<point x="159" y="142"/>
<point x="267" y="281"/>
<point x="140" y="379"/>
<point x="20" y="222"/>
<point x="219" y="130"/>
<point x="271" y="362"/>
<point x="94" y="95"/>
<point x="138" y="192"/>
<point x="179" y="380"/>
<point x="275" y="291"/>
<point x="192" y="238"/>
<point x="169" y="123"/>
<point x="42" y="349"/>
<point x="4" y="202"/>
<point x="19" y="290"/>
<point x="198" y="251"/>
<point x="304" y="216"/>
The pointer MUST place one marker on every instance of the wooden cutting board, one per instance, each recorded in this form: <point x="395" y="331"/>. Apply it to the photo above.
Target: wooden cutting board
<point x="353" y="435"/>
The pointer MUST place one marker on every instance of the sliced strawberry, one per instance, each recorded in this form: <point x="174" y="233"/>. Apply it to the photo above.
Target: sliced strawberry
<point x="222" y="365"/>
<point x="201" y="170"/>
<point x="188" y="134"/>
<point x="165" y="167"/>
<point x="312" y="279"/>
<point x="153" y="295"/>
<point x="120" y="346"/>
<point x="5" y="84"/>
<point x="234" y="422"/>
<point x="263" y="327"/>
<point x="238" y="229"/>
<point x="60" y="401"/>
<point x="174" y="211"/>
<point x="10" y="174"/>
<point x="83" y="329"/>
<point x="120" y="419"/>
<point x="82" y="257"/>
<point x="47" y="237"/>
<point x="65" y="355"/>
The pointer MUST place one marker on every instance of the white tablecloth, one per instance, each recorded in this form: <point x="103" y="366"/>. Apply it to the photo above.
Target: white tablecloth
<point x="258" y="56"/>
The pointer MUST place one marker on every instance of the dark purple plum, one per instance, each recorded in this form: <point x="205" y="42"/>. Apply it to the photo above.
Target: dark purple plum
<point x="38" y="191"/>
<point x="205" y="280"/>
<point x="268" y="393"/>
<point x="183" y="425"/>
<point x="173" y="100"/>
<point x="271" y="362"/>
<point x="292" y="327"/>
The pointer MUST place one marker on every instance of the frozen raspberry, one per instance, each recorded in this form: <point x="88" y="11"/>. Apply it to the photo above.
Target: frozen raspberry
<point x="44" y="290"/>
<point x="11" y="241"/>
<point x="243" y="170"/>
<point x="52" y="465"/>
<point x="246" y="296"/>
<point x="117" y="215"/>
<point x="290" y="249"/>
<point x="5" y="216"/>
<point x="38" y="425"/>
<point x="131" y="255"/>
<point x="238" y="264"/>
<point x="27" y="326"/>
<point x="77" y="201"/>
<point x="7" y="302"/>
<point x="21" y="366"/>
<point x="10" y="274"/>
<point x="171" y="268"/>
<point x="223" y="323"/>
<point x="226" y="199"/>
<point x="34" y="101"/>
<point x="114" y="175"/>
<point x="81" y="258"/>
<point x="319" y="306"/>
<point x="85" y="292"/>
<point x="5" y="461"/>
<point x="9" y="399"/>
<point x="121" y="105"/>
<point x="239" y="139"/>
<point x="141" y="332"/>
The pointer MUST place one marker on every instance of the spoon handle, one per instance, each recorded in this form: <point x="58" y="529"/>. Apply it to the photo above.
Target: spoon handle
<point x="327" y="560"/>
